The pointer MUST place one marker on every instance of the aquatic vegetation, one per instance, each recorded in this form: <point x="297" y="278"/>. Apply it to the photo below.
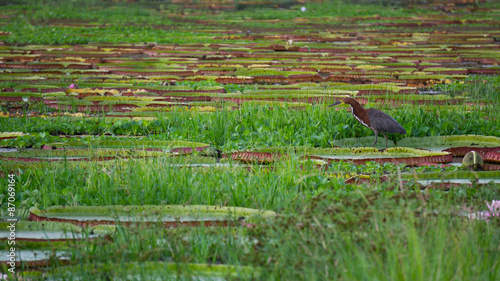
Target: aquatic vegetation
<point x="113" y="114"/>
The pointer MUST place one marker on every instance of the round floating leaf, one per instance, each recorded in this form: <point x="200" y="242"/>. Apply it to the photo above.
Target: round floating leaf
<point x="444" y="142"/>
<point x="162" y="270"/>
<point x="10" y="135"/>
<point x="494" y="175"/>
<point x="362" y="142"/>
<point x="167" y="215"/>
<point x="408" y="156"/>
<point x="369" y="152"/>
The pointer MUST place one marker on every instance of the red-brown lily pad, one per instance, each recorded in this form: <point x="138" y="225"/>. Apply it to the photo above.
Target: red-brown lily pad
<point x="409" y="161"/>
<point x="461" y="151"/>
<point x="361" y="155"/>
<point x="256" y="157"/>
<point x="492" y="157"/>
<point x="188" y="150"/>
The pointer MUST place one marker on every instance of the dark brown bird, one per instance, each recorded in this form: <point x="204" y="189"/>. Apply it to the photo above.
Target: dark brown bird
<point x="374" y="119"/>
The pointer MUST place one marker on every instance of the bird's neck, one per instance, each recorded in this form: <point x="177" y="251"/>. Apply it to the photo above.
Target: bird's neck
<point x="357" y="109"/>
<point x="361" y="114"/>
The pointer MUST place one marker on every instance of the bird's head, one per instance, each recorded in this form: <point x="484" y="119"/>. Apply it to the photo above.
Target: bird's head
<point x="349" y="101"/>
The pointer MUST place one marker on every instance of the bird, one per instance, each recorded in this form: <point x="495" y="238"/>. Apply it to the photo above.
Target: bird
<point x="373" y="119"/>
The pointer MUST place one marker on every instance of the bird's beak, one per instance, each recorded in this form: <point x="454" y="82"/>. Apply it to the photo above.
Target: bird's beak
<point x="334" y="104"/>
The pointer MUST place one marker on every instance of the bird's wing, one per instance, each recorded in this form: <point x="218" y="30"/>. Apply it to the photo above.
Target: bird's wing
<point x="382" y="122"/>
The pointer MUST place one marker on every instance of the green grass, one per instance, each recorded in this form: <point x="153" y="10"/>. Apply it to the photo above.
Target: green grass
<point x="280" y="187"/>
<point x="375" y="245"/>
<point x="257" y="125"/>
<point x="327" y="229"/>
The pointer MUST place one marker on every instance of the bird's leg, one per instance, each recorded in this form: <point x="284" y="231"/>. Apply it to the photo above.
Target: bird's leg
<point x="376" y="137"/>
<point x="385" y="136"/>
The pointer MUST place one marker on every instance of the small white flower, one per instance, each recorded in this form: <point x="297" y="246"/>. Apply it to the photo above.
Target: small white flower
<point x="303" y="9"/>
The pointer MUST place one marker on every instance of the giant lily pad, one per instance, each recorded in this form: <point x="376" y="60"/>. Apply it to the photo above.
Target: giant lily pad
<point x="443" y="142"/>
<point x="168" y="215"/>
<point x="167" y="146"/>
<point x="38" y="258"/>
<point x="468" y="175"/>
<point x="35" y="155"/>
<point x="367" y="152"/>
<point x="362" y="155"/>
<point x="362" y="142"/>
<point x="462" y="150"/>
<point x="42" y="231"/>
<point x="454" y="178"/>
<point x="255" y="157"/>
<point x="410" y="156"/>
<point x="162" y="271"/>
<point x="53" y="231"/>
<point x="40" y="243"/>
<point x="10" y="135"/>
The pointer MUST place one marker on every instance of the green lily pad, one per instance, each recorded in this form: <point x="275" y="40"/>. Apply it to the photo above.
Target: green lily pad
<point x="127" y="144"/>
<point x="33" y="235"/>
<point x="369" y="152"/>
<point x="48" y="234"/>
<point x="53" y="154"/>
<point x="162" y="271"/>
<point x="359" y="155"/>
<point x="36" y="258"/>
<point x="468" y="175"/>
<point x="11" y="135"/>
<point x="168" y="215"/>
<point x="438" y="143"/>
<point x="42" y="226"/>
<point x="363" y="142"/>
